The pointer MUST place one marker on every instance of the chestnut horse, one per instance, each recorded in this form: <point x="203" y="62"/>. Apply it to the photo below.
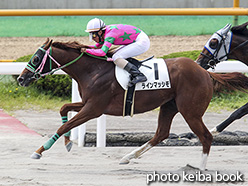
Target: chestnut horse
<point x="218" y="49"/>
<point x="190" y="93"/>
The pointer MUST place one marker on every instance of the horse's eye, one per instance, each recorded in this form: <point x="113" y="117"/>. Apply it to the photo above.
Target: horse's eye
<point x="36" y="60"/>
<point x="213" y="43"/>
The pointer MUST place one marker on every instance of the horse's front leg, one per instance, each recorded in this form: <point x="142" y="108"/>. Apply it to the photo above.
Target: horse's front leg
<point x="86" y="113"/>
<point x="64" y="115"/>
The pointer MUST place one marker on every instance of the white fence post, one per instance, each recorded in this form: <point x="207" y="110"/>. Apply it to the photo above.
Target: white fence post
<point x="78" y="132"/>
<point x="101" y="131"/>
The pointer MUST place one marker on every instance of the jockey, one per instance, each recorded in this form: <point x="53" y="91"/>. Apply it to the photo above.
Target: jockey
<point x="133" y="40"/>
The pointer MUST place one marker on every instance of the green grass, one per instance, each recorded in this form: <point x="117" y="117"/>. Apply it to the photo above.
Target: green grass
<point x="190" y="54"/>
<point x="15" y="97"/>
<point x="75" y="25"/>
<point x="231" y="101"/>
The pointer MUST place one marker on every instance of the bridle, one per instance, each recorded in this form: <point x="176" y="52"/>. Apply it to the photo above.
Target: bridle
<point x="213" y="59"/>
<point x="47" y="55"/>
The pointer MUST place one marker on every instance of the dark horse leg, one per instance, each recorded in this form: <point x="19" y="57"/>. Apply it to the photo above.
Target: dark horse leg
<point x="64" y="115"/>
<point x="239" y="113"/>
<point x="166" y="114"/>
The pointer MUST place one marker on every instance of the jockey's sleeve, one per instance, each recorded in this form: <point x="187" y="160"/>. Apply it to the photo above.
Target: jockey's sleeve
<point x="97" y="45"/>
<point x="108" y="41"/>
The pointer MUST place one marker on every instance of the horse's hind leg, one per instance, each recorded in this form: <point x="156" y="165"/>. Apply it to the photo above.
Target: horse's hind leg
<point x="194" y="119"/>
<point x="64" y="115"/>
<point x="198" y="127"/>
<point x="166" y="114"/>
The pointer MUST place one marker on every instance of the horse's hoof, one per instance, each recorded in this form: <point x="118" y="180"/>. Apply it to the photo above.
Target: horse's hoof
<point x="35" y="155"/>
<point x="214" y="131"/>
<point x="68" y="146"/>
<point x="124" y="161"/>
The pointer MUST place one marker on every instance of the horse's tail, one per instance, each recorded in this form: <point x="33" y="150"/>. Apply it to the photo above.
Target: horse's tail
<point x="229" y="81"/>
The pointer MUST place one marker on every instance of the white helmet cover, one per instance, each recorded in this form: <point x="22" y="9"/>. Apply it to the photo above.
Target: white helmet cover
<point x="95" y="25"/>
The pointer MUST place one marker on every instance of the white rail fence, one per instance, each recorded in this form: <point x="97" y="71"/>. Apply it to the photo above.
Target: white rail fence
<point x="78" y="133"/>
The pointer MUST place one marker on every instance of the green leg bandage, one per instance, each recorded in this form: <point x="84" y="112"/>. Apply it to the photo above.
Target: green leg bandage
<point x="51" y="141"/>
<point x="64" y="120"/>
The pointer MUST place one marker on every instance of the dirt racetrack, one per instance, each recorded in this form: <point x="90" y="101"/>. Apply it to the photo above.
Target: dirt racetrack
<point x="100" y="166"/>
<point x="15" y="47"/>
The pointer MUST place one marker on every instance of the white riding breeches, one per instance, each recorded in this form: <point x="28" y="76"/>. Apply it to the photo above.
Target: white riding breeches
<point x="141" y="45"/>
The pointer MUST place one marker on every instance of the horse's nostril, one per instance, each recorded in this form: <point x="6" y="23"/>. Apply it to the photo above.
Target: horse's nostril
<point x="20" y="79"/>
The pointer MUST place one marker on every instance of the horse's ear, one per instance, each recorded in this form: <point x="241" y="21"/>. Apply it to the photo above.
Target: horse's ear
<point x="226" y="29"/>
<point x="48" y="43"/>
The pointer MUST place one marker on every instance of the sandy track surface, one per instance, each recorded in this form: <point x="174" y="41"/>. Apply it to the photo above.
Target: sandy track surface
<point x="100" y="166"/>
<point x="92" y="166"/>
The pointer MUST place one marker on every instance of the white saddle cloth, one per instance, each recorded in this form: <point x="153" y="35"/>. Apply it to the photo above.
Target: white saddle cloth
<point x="157" y="76"/>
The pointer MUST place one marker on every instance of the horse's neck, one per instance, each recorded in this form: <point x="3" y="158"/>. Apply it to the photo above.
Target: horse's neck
<point x="92" y="75"/>
<point x="85" y="70"/>
<point x="240" y="53"/>
<point x="64" y="57"/>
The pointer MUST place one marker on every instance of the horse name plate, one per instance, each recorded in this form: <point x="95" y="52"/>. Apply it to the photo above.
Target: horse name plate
<point x="157" y="76"/>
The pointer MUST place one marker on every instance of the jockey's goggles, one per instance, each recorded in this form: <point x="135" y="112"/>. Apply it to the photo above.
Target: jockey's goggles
<point x="94" y="35"/>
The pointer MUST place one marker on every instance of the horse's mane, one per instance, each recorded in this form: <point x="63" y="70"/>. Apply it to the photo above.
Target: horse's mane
<point x="75" y="46"/>
<point x="240" y="29"/>
<point x="69" y="45"/>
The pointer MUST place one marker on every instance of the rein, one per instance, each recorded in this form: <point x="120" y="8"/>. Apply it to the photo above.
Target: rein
<point x="38" y="71"/>
<point x="237" y="47"/>
<point x="240" y="45"/>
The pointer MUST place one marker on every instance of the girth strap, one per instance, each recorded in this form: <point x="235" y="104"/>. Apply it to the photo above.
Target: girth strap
<point x="128" y="107"/>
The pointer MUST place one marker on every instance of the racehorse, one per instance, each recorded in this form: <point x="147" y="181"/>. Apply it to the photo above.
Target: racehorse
<point x="190" y="93"/>
<point x="226" y="44"/>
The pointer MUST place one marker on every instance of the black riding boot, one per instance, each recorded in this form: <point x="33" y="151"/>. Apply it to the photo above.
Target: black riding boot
<point x="136" y="75"/>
